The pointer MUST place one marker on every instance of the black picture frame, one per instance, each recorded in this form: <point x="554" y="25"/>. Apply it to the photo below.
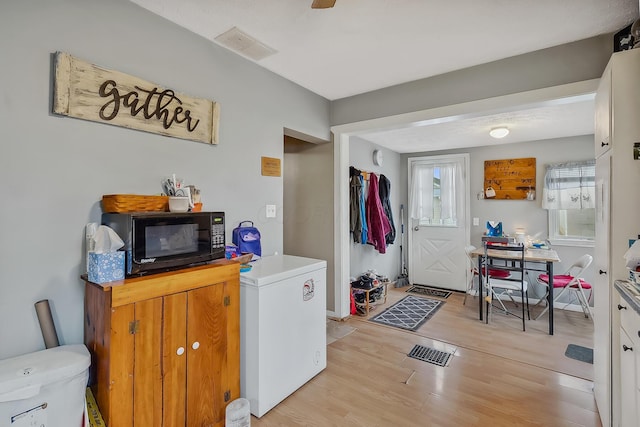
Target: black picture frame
<point x="623" y="40"/>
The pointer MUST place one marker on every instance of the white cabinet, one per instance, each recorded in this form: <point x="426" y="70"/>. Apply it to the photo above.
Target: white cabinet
<point x="601" y="292"/>
<point x="617" y="221"/>
<point x="629" y="364"/>
<point x="603" y="115"/>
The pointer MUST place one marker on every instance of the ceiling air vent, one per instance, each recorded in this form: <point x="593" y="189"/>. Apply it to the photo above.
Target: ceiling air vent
<point x="242" y="43"/>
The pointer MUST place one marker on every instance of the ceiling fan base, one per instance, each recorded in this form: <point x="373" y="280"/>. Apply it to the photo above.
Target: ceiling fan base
<point x="323" y="4"/>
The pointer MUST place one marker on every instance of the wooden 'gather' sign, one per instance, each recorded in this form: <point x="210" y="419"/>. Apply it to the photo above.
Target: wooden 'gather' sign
<point x="89" y="92"/>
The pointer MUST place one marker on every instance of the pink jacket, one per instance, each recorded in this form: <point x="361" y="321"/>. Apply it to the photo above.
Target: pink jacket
<point x="377" y="221"/>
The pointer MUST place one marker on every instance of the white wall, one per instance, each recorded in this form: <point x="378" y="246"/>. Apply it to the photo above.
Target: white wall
<point x="366" y="257"/>
<point x="308" y="204"/>
<point x="56" y="169"/>
<point x="568" y="63"/>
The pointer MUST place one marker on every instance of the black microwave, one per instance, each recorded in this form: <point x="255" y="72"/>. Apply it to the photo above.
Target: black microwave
<point x="160" y="241"/>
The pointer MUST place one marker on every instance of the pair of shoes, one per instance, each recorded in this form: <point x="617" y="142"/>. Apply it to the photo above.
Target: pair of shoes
<point x="359" y="297"/>
<point x="364" y="282"/>
<point x="376" y="295"/>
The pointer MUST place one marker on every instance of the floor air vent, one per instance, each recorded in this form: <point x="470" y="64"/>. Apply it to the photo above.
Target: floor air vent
<point x="430" y="355"/>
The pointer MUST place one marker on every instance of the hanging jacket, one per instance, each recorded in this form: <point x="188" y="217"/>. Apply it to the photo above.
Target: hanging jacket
<point x="377" y="221"/>
<point x="385" y="192"/>
<point x="363" y="214"/>
<point x="355" y="200"/>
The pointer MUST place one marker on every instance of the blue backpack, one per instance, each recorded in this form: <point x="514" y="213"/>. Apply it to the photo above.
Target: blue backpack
<point x="247" y="239"/>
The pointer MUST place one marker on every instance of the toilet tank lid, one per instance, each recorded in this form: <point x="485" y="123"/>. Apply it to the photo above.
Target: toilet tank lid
<point x="25" y="374"/>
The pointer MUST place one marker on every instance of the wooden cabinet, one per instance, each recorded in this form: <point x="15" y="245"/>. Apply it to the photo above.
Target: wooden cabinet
<point x="165" y="348"/>
<point x="629" y="364"/>
<point x="617" y="207"/>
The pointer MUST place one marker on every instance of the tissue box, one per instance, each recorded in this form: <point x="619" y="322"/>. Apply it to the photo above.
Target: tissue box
<point x="105" y="268"/>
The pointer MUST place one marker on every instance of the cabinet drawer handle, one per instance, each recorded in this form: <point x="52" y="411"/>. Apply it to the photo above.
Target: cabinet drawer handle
<point x="180" y="351"/>
<point x="195" y="345"/>
<point x="604" y="144"/>
<point x="625" y="348"/>
<point x="602" y="272"/>
<point x="621" y="307"/>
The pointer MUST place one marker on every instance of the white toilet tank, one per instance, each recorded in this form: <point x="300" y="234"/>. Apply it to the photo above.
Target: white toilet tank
<point x="45" y="388"/>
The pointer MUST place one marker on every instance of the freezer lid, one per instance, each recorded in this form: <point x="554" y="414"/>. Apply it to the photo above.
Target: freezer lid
<point x="23" y="375"/>
<point x="275" y="268"/>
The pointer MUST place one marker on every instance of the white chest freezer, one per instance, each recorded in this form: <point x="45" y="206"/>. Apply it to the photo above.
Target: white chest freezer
<point x="45" y="388"/>
<point x="283" y="341"/>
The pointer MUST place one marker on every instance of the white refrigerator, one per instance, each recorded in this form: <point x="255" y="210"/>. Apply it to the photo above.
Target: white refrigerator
<point x="283" y="341"/>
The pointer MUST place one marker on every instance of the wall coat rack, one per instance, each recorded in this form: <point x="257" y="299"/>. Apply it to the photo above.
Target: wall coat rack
<point x="510" y="179"/>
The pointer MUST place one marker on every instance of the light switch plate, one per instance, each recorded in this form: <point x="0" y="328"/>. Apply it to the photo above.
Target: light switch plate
<point x="271" y="211"/>
<point x="476" y="221"/>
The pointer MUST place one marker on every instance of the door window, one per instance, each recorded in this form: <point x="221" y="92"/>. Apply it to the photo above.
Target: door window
<point x="434" y="195"/>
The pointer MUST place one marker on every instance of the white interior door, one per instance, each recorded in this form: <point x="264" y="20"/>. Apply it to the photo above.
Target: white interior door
<point x="439" y="221"/>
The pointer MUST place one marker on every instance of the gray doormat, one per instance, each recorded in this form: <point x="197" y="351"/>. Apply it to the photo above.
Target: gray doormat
<point x="408" y="313"/>
<point x="428" y="291"/>
<point x="578" y="352"/>
<point x="430" y="355"/>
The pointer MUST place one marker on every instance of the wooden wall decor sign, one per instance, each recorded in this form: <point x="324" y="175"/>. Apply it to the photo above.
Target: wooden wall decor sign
<point x="86" y="91"/>
<point x="270" y="166"/>
<point x="510" y="178"/>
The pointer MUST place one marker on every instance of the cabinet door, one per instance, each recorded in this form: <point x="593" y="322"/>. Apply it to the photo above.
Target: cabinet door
<point x="147" y="374"/>
<point x="629" y="416"/>
<point x="603" y="115"/>
<point x="209" y="355"/>
<point x="174" y="360"/>
<point x="601" y="291"/>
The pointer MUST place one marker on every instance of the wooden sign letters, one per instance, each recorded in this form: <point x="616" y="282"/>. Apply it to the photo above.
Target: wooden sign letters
<point x="511" y="178"/>
<point x="86" y="91"/>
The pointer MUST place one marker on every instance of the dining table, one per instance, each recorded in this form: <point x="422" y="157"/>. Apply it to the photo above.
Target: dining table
<point x="536" y="259"/>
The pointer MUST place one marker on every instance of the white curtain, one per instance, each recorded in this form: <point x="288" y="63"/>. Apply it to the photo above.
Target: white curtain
<point x="448" y="191"/>
<point x="423" y="186"/>
<point x="421" y="192"/>
<point x="569" y="186"/>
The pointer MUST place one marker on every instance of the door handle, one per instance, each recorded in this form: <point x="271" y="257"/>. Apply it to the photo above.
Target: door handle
<point x="602" y="272"/>
<point x="604" y="144"/>
<point x="416" y="228"/>
<point x="626" y="348"/>
<point x="621" y="307"/>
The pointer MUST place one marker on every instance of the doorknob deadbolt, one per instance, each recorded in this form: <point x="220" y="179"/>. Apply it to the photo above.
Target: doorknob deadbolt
<point x="416" y="228"/>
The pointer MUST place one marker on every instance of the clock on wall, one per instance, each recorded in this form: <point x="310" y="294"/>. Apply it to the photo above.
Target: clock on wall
<point x="377" y="157"/>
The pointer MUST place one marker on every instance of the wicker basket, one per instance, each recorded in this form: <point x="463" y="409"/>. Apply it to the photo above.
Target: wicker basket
<point x="118" y="203"/>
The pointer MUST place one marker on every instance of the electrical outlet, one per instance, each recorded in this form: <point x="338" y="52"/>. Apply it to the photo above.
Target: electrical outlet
<point x="271" y="211"/>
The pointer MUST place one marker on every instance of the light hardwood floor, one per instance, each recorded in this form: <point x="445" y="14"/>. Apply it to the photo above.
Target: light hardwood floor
<point x="498" y="376"/>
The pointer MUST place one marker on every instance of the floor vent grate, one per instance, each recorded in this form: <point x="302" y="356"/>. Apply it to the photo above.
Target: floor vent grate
<point x="430" y="355"/>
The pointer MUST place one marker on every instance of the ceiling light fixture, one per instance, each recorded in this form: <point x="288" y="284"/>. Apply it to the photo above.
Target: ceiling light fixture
<point x="499" y="132"/>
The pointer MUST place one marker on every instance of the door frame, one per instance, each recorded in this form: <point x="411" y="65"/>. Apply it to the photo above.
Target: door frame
<point x="467" y="202"/>
<point x="342" y="133"/>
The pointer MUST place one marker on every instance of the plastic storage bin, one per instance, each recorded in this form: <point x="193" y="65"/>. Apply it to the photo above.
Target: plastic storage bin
<point x="45" y="388"/>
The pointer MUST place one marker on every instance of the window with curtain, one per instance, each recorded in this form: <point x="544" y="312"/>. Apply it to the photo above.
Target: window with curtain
<point x="569" y="195"/>
<point x="433" y="194"/>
